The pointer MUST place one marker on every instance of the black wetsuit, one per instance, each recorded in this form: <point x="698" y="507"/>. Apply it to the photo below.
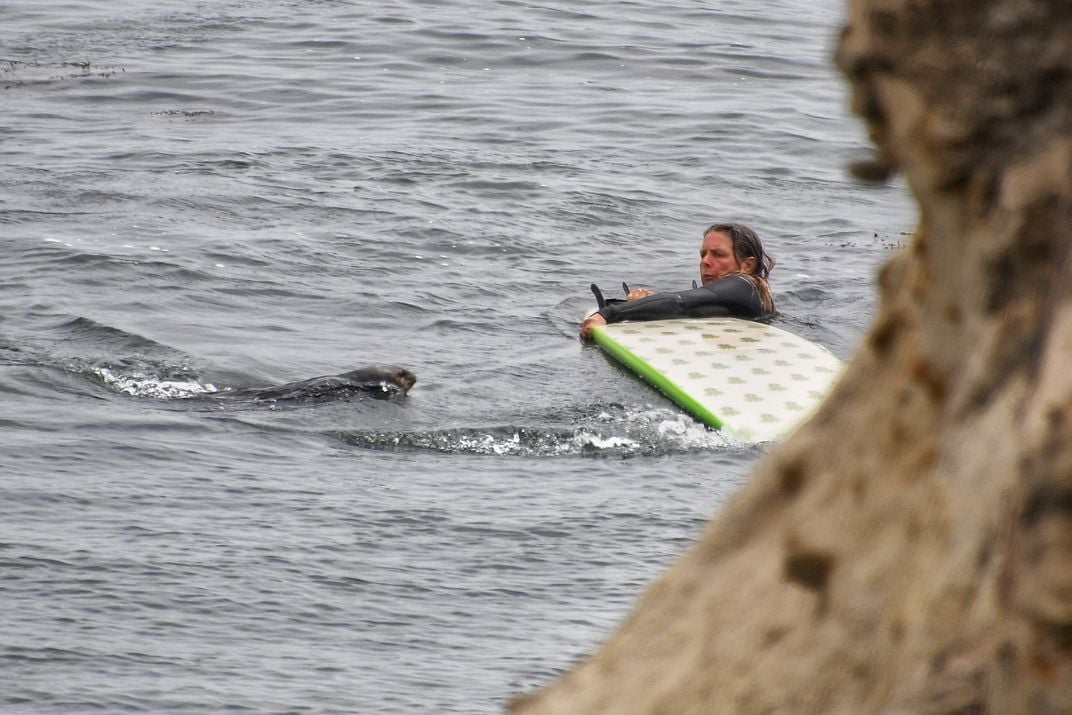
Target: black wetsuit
<point x="733" y="296"/>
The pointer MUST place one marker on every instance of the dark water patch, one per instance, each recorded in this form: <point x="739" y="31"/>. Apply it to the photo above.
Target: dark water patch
<point x="590" y="56"/>
<point x="392" y="20"/>
<point x="18" y="74"/>
<point x="189" y="115"/>
<point x="807" y="294"/>
<point x="106" y="338"/>
<point x="484" y="186"/>
<point x="226" y="165"/>
<point x="606" y="209"/>
<point x="251" y="288"/>
<point x="25" y="655"/>
<point x="15" y="217"/>
<point x="99" y="338"/>
<point x="753" y="73"/>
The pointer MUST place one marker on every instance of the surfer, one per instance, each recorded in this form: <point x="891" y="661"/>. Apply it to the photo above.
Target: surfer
<point x="733" y="272"/>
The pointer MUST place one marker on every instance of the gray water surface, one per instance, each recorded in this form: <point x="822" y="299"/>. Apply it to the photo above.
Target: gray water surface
<point x="202" y="197"/>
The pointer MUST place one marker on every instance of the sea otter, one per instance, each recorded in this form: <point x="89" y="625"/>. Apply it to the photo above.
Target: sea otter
<point x="379" y="381"/>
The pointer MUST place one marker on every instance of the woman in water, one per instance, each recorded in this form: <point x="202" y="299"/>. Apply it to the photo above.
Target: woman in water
<point x="733" y="272"/>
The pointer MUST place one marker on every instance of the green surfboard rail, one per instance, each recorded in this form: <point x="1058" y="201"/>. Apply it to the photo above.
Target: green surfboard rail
<point x="655" y="378"/>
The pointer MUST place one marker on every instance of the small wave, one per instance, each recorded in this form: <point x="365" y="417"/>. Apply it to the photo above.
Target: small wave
<point x="497" y="441"/>
<point x="92" y="337"/>
<point x="612" y="432"/>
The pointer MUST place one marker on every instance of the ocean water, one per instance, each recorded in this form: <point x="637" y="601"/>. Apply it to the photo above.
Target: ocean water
<point x="199" y="197"/>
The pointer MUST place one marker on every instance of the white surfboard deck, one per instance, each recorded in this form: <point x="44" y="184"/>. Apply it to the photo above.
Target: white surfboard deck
<point x="757" y="381"/>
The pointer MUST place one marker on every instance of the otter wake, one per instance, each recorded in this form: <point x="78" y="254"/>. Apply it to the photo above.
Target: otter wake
<point x="612" y="432"/>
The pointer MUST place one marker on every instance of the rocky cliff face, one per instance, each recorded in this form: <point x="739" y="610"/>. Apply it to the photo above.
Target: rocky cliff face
<point x="909" y="550"/>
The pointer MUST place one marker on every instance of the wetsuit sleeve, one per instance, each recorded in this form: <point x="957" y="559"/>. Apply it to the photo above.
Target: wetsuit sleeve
<point x="732" y="296"/>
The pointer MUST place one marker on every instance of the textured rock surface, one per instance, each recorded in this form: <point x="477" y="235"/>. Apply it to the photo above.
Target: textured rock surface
<point x="910" y="549"/>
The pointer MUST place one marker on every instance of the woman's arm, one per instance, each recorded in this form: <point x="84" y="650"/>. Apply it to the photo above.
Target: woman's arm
<point x="730" y="296"/>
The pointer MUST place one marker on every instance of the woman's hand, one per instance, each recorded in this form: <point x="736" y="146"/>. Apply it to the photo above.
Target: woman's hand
<point x="592" y="321"/>
<point x="638" y="293"/>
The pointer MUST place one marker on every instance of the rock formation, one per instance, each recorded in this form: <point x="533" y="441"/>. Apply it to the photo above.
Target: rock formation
<point x="909" y="550"/>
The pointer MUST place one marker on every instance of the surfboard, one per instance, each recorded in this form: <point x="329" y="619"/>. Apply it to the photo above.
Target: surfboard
<point x="754" y="380"/>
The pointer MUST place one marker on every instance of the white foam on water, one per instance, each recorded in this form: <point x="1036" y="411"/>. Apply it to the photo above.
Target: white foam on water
<point x="148" y="386"/>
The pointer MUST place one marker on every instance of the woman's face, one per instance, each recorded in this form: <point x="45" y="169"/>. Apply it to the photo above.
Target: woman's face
<point x="716" y="257"/>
